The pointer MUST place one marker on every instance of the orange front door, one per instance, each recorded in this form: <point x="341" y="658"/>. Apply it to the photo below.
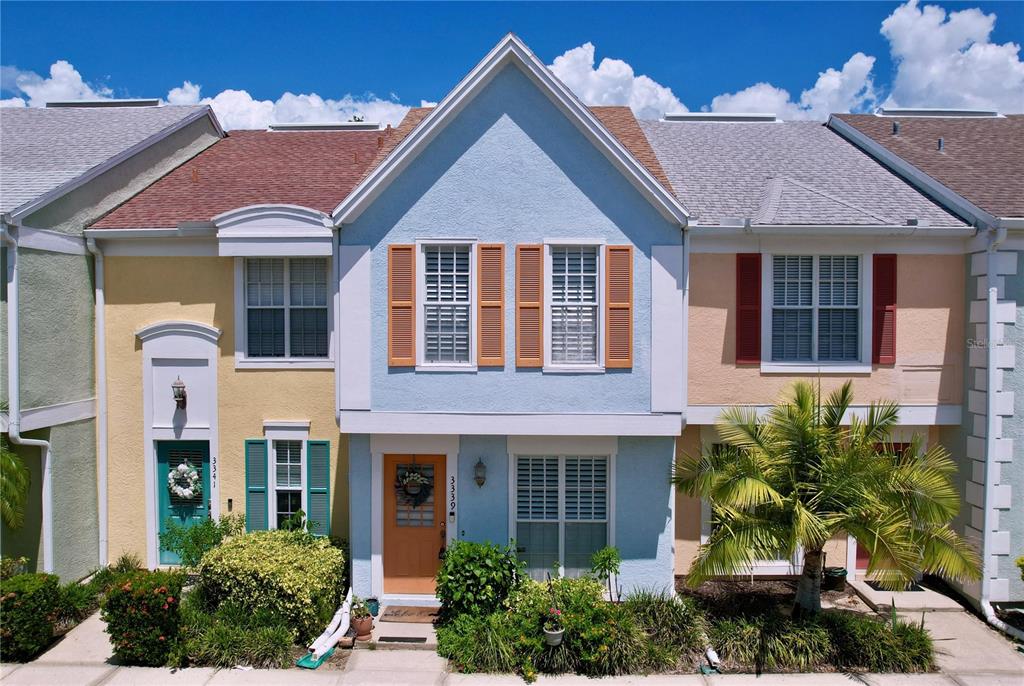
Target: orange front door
<point x="414" y="524"/>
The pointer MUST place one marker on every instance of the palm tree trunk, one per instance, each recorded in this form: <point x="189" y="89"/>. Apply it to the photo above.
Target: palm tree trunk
<point x="808" y="589"/>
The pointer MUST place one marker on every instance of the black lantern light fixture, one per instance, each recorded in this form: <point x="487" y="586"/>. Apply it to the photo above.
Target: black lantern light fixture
<point x="480" y="472"/>
<point x="180" y="396"/>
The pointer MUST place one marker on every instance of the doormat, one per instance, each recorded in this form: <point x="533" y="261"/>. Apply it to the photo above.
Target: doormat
<point x="409" y="614"/>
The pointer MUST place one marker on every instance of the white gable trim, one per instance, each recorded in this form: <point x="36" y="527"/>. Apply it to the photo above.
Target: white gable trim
<point x="279" y="230"/>
<point x="510" y="50"/>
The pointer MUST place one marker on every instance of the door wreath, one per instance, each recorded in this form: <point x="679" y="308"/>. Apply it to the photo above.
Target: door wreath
<point x="414" y="486"/>
<point x="184" y="482"/>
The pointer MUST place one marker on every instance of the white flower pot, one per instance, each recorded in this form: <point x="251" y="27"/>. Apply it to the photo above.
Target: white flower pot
<point x="553" y="638"/>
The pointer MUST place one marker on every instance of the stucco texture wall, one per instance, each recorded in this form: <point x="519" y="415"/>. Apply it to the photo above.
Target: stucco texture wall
<point x="511" y="168"/>
<point x="145" y="290"/>
<point x="930" y="320"/>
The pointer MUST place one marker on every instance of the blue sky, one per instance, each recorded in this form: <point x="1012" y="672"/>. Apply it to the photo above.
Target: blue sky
<point x="418" y="51"/>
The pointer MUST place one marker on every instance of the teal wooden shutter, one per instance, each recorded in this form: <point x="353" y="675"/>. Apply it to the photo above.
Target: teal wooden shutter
<point x="318" y="486"/>
<point x="256" y="505"/>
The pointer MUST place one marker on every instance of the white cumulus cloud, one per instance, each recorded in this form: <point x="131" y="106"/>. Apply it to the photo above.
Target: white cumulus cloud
<point x="613" y="82"/>
<point x="948" y="60"/>
<point x="63" y="83"/>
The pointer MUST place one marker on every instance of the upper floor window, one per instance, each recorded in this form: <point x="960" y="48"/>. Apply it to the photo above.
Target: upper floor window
<point x="816" y="308"/>
<point x="446" y="304"/>
<point x="574" y="305"/>
<point x="286" y="307"/>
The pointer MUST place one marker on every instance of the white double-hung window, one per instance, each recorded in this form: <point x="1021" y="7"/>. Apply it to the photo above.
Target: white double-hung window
<point x="286" y="307"/>
<point x="288" y="480"/>
<point x="575" y="305"/>
<point x="816" y="308"/>
<point x="447" y="304"/>
<point x="562" y="506"/>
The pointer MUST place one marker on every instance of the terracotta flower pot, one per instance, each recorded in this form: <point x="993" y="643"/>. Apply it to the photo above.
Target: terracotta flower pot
<point x="363" y="626"/>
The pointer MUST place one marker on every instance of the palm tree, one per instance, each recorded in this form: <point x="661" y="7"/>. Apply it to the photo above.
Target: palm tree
<point x="14" y="485"/>
<point x="796" y="477"/>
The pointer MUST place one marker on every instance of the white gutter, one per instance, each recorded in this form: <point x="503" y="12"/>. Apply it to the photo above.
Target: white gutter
<point x="996" y="237"/>
<point x="686" y="326"/>
<point x="336" y="276"/>
<point x="101" y="400"/>
<point x="14" y="395"/>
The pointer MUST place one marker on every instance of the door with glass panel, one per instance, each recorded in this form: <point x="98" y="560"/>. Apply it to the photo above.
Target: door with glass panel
<point x="561" y="512"/>
<point x="414" y="522"/>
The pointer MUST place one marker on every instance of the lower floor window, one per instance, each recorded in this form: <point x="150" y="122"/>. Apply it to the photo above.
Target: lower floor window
<point x="561" y="512"/>
<point x="287" y="480"/>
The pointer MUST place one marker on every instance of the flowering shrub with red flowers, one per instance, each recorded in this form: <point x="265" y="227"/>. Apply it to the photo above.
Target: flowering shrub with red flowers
<point x="553" y="620"/>
<point x="142" y="616"/>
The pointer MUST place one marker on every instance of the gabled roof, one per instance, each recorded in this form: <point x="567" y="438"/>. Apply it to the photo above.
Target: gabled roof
<point x="308" y="168"/>
<point x="981" y="160"/>
<point x="783" y="173"/>
<point x="510" y="50"/>
<point x="47" y="152"/>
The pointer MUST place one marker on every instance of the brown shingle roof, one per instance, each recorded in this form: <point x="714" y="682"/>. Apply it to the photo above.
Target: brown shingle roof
<point x="314" y="169"/>
<point x="982" y="158"/>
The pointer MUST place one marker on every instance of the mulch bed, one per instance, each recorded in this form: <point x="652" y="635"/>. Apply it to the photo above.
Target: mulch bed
<point x="746" y="596"/>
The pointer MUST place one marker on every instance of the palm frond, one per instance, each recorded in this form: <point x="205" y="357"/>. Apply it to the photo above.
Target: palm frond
<point x="948" y="555"/>
<point x="15" y="481"/>
<point x="836" y="405"/>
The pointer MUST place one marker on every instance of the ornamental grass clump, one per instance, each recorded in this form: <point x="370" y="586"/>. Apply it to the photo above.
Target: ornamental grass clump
<point x="27" y="605"/>
<point x="291" y="574"/>
<point x="142" y="612"/>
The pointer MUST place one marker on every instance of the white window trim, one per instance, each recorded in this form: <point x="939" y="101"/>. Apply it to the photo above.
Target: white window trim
<point x="551" y="367"/>
<point x="863" y="364"/>
<point x="243" y="361"/>
<point x="274" y="437"/>
<point x="531" y="446"/>
<point x="421" y="288"/>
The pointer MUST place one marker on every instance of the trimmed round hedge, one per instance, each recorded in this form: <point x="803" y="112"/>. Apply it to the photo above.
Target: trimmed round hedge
<point x="290" y="573"/>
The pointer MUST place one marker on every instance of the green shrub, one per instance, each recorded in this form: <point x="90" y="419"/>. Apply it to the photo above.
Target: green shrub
<point x="27" y="605"/>
<point x="127" y="563"/>
<point x="230" y="636"/>
<point x="475" y="643"/>
<point x="76" y="602"/>
<point x="770" y="643"/>
<point x="862" y="642"/>
<point x="292" y="574"/>
<point x="605" y="564"/>
<point x="142" y="616"/>
<point x="12" y="566"/>
<point x="476" y="577"/>
<point x="672" y="622"/>
<point x="190" y="543"/>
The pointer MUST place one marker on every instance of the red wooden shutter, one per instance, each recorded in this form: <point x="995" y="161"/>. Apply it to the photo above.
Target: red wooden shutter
<point x="491" y="305"/>
<point x="883" y="326"/>
<point x="618" y="321"/>
<point x="748" y="308"/>
<point x="529" y="305"/>
<point x="401" y="305"/>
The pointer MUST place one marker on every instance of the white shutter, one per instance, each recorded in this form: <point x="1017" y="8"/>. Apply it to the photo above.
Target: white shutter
<point x="586" y="488"/>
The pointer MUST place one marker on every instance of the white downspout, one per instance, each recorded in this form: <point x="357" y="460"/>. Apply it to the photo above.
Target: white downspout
<point x="996" y="237"/>
<point x="14" y="395"/>
<point x="101" y="400"/>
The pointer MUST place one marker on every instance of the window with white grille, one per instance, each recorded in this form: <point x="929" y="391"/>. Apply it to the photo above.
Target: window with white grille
<point x="574" y="305"/>
<point x="561" y="511"/>
<point x="288" y="480"/>
<point x="815" y="308"/>
<point x="447" y="303"/>
<point x="286" y="307"/>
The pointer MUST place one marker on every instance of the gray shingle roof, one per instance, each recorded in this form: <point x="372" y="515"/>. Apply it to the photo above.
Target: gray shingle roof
<point x="783" y="173"/>
<point x="43" y="149"/>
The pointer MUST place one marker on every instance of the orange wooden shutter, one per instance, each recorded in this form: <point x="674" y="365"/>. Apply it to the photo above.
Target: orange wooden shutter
<point x="401" y="305"/>
<point x="618" y="303"/>
<point x="490" y="349"/>
<point x="529" y="305"/>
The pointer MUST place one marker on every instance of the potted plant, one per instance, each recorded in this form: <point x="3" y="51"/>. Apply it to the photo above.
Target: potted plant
<point x="554" y="628"/>
<point x="362" y="621"/>
<point x="833" y="579"/>
<point x="413" y="481"/>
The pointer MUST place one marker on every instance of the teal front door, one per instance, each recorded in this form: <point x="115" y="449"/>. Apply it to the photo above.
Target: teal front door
<point x="179" y="501"/>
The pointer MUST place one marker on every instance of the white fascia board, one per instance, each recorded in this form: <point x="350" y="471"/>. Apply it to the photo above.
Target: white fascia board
<point x="844" y="230"/>
<point x="509" y="50"/>
<point x="50" y="241"/>
<point x="155" y="232"/>
<point x="909" y="415"/>
<point x="945" y="196"/>
<point x="478" y="424"/>
<point x="105" y="166"/>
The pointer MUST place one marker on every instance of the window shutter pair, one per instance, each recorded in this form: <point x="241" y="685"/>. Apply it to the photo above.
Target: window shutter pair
<point x="748" y="309"/>
<point x="258" y="487"/>
<point x="618" y="305"/>
<point x="490" y="305"/>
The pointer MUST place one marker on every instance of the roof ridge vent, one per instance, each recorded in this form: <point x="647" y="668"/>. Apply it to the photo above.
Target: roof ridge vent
<point x="950" y="112"/>
<point x="721" y="116"/>
<point x="324" y="126"/>
<point x="127" y="102"/>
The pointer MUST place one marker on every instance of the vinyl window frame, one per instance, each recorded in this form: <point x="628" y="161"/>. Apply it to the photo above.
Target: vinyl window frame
<point x="550" y="366"/>
<point x="422" y="365"/>
<point x="242" y="358"/>
<point x="272" y="486"/>
<point x="862" y="365"/>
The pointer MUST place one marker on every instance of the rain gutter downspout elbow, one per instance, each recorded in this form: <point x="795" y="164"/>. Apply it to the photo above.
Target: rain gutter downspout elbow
<point x="996" y="238"/>
<point x="14" y="392"/>
<point x="101" y="399"/>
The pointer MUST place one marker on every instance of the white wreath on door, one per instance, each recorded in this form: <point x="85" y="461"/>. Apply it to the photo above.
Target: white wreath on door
<point x="184" y="482"/>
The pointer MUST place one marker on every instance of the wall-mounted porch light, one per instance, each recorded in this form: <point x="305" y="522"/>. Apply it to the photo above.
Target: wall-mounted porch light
<point x="180" y="396"/>
<point x="480" y="472"/>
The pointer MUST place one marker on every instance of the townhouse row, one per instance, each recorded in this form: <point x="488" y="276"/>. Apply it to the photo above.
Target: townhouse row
<point x="504" y="320"/>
